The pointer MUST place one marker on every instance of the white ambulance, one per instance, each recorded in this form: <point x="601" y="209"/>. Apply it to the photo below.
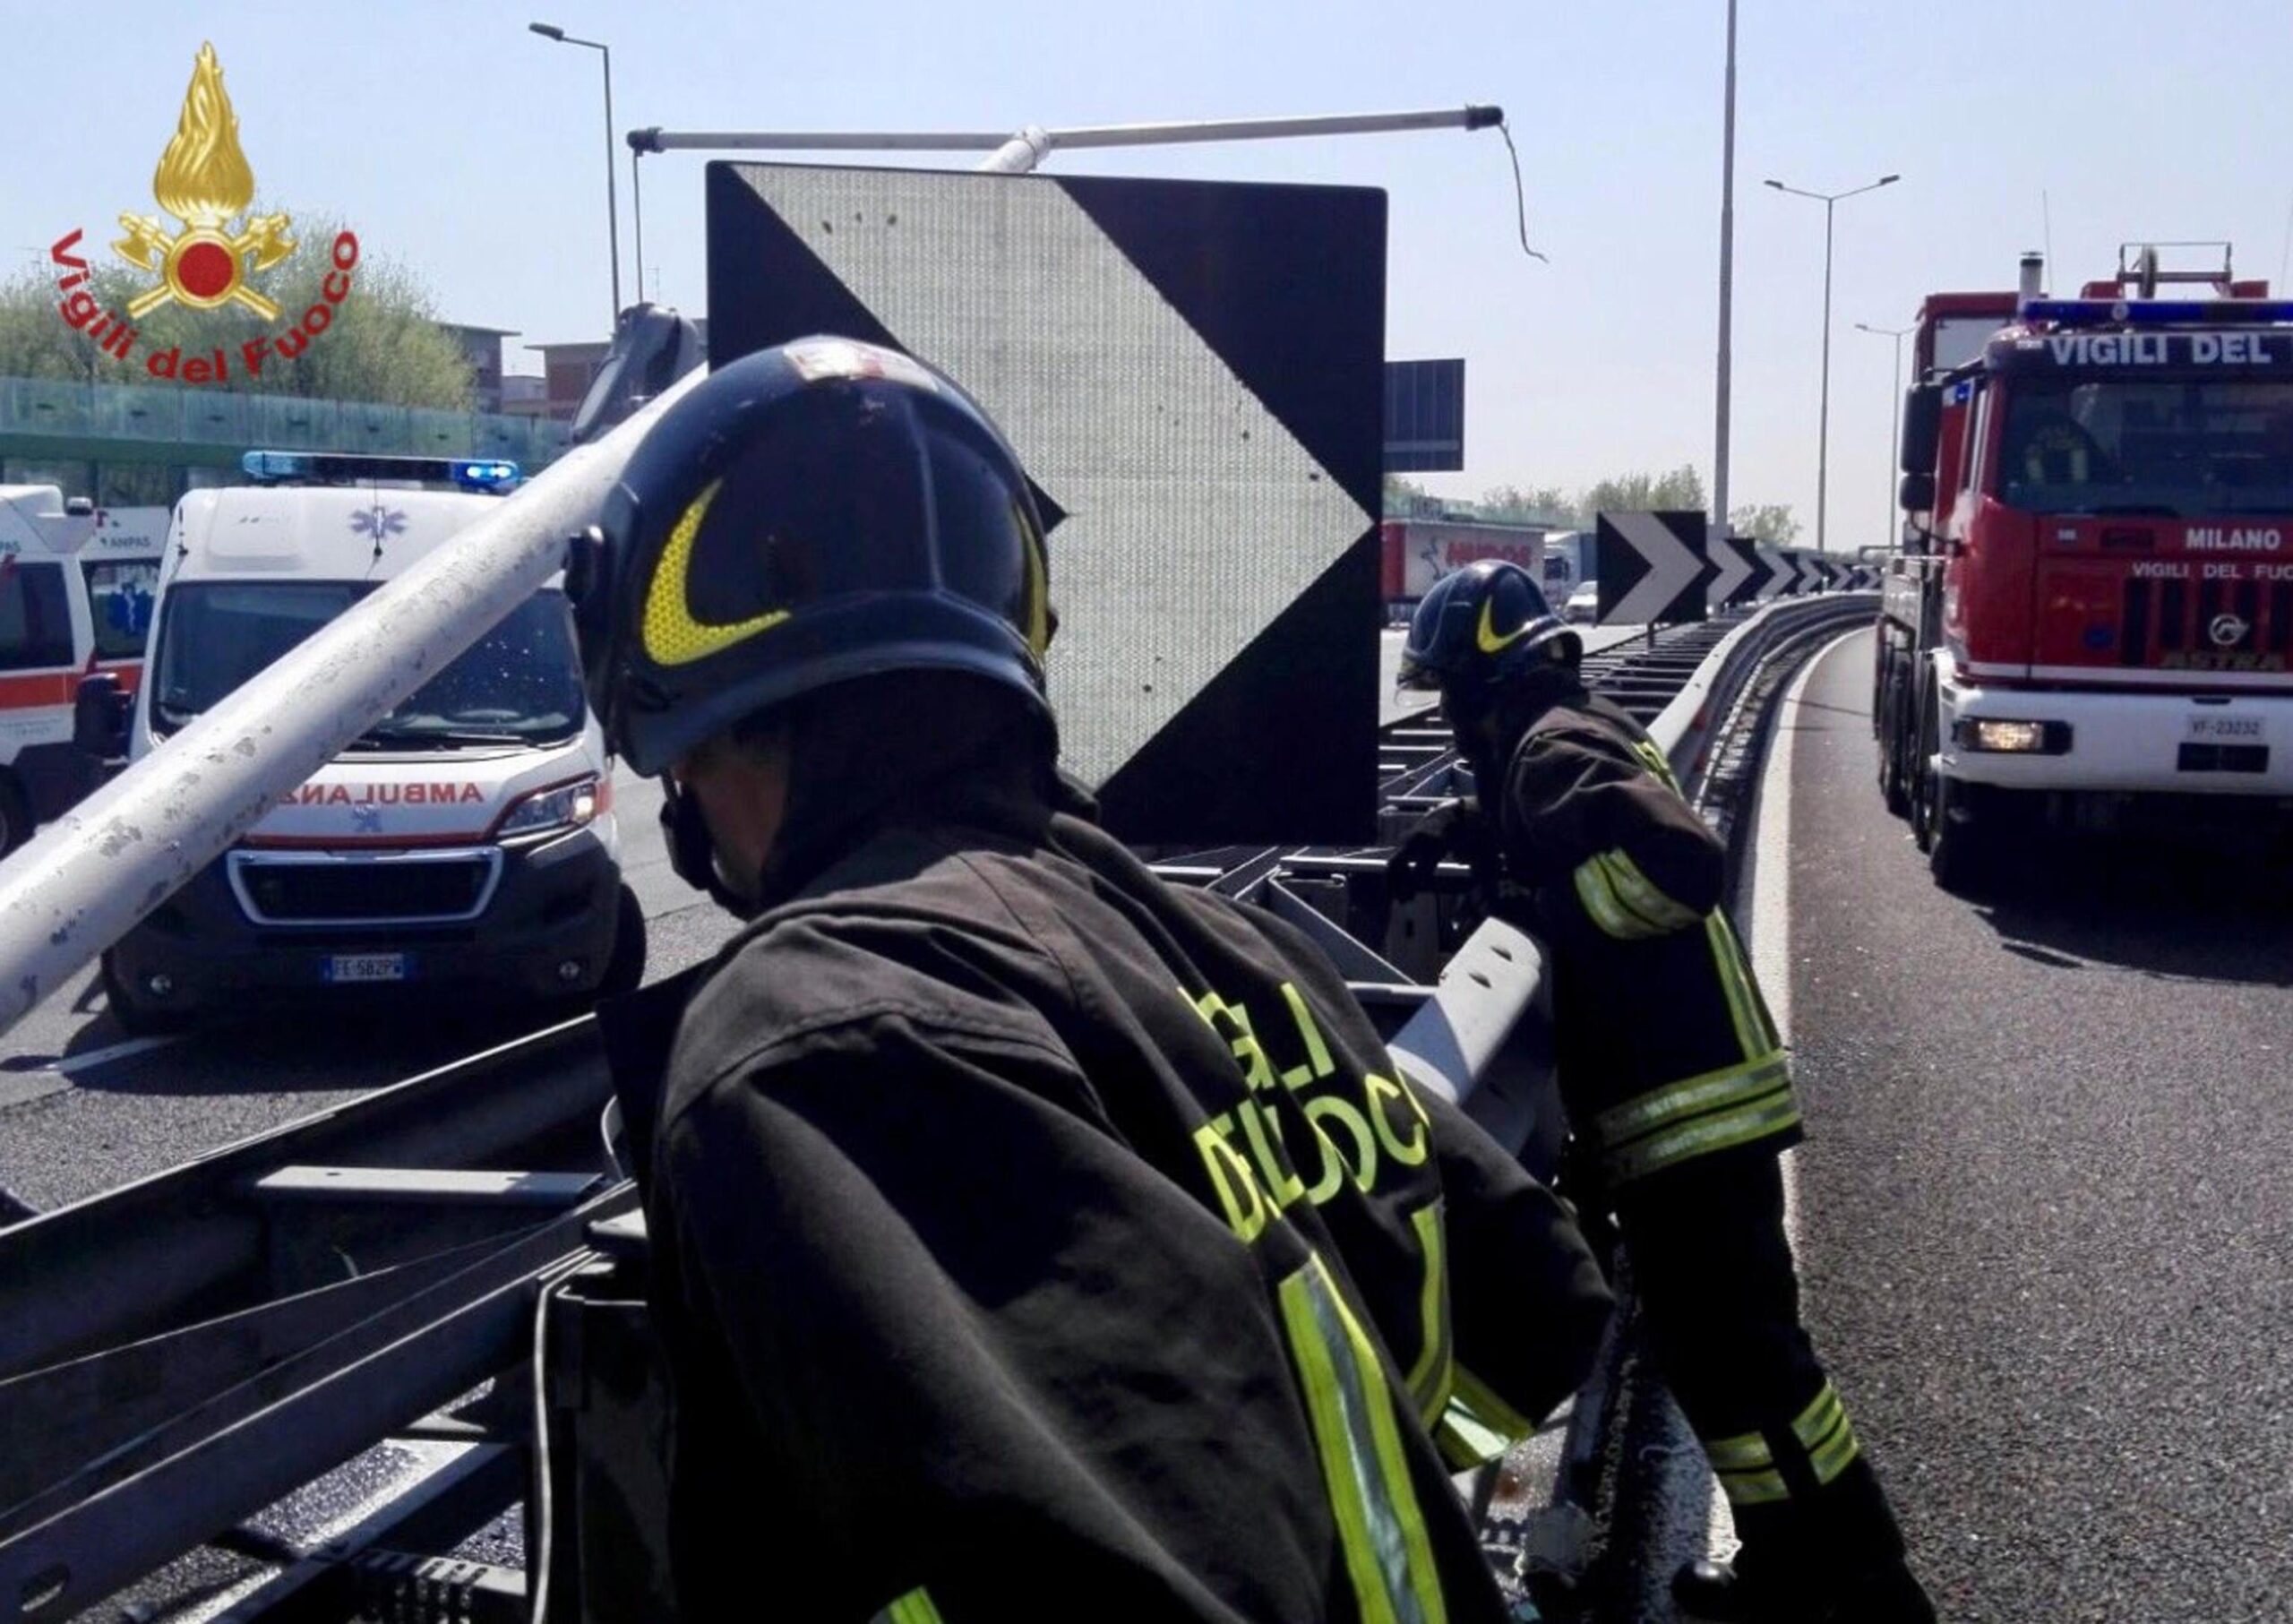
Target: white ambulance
<point x="76" y="588"/>
<point x="467" y="840"/>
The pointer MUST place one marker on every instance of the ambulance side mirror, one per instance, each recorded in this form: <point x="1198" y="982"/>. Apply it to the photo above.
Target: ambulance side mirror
<point x="1918" y="493"/>
<point x="1922" y="428"/>
<point x="99" y="713"/>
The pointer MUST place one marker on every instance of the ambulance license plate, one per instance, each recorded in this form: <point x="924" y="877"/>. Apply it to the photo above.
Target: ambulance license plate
<point x="2228" y="729"/>
<point x="343" y="967"/>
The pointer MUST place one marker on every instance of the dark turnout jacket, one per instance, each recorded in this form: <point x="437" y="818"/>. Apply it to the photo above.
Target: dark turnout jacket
<point x="1036" y="1239"/>
<point x="1665" y="1050"/>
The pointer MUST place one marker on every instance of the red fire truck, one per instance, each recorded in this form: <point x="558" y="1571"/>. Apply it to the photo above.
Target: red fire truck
<point x="2088" y="618"/>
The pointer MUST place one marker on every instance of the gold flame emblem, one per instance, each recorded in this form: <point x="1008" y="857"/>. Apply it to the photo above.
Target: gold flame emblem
<point x="204" y="182"/>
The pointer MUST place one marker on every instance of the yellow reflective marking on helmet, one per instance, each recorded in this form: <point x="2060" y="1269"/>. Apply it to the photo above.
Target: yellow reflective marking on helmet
<point x="1485" y="634"/>
<point x="672" y="636"/>
<point x="1038" y="583"/>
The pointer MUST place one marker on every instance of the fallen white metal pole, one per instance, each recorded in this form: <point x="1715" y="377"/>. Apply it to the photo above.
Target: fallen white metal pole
<point x="90" y="875"/>
<point x="1007" y="148"/>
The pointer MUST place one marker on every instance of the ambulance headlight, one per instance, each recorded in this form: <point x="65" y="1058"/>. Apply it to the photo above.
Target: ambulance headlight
<point x="565" y="806"/>
<point x="2001" y="736"/>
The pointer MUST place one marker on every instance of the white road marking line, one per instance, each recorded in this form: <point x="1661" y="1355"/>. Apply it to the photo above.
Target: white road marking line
<point x="73" y="1065"/>
<point x="1770" y="948"/>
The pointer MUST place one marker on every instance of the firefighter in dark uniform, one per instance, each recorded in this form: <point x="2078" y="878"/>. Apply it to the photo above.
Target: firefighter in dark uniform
<point x="1030" y="1239"/>
<point x="1675" y="1085"/>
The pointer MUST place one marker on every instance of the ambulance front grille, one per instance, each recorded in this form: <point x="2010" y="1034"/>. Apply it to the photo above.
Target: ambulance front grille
<point x="364" y="887"/>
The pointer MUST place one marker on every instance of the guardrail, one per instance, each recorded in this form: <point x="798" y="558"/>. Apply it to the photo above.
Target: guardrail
<point x="178" y="1353"/>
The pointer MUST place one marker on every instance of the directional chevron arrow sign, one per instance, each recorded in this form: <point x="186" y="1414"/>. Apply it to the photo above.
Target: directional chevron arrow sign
<point x="1779" y="572"/>
<point x="1652" y="567"/>
<point x="1733" y="568"/>
<point x="1192" y="375"/>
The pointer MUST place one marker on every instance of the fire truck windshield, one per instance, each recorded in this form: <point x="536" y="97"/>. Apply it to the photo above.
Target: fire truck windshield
<point x="2169" y="446"/>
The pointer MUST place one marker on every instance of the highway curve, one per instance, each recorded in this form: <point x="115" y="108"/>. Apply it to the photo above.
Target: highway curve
<point x="2045" y="1215"/>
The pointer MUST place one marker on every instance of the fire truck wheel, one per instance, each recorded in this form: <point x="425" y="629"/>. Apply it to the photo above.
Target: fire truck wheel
<point x="1958" y="852"/>
<point x="1894" y="785"/>
<point x="1925" y="786"/>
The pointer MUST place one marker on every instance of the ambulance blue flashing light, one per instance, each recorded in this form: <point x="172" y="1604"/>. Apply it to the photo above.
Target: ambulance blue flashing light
<point x="490" y="474"/>
<point x="2157" y="313"/>
<point x="336" y="467"/>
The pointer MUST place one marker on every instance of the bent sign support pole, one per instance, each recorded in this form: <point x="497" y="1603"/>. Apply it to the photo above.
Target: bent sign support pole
<point x="1018" y="153"/>
<point x="88" y="877"/>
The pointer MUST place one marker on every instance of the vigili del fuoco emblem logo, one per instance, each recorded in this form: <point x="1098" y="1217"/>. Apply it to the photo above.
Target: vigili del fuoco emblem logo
<point x="214" y="257"/>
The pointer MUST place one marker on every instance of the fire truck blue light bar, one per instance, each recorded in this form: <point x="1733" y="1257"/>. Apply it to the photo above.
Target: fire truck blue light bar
<point x="2156" y="313"/>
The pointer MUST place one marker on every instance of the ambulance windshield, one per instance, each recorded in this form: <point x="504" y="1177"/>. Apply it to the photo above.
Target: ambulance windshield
<point x="519" y="683"/>
<point x="2169" y="447"/>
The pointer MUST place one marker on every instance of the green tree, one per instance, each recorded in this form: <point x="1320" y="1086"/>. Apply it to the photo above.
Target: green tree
<point x="1681" y="489"/>
<point x="381" y="342"/>
<point x="1771" y="522"/>
<point x="1538" y="505"/>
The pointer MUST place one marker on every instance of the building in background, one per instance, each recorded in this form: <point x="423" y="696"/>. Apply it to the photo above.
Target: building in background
<point x="483" y="346"/>
<point x="524" y="395"/>
<point x="570" y="369"/>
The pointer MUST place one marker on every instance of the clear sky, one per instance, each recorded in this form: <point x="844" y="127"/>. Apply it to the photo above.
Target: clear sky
<point x="453" y="139"/>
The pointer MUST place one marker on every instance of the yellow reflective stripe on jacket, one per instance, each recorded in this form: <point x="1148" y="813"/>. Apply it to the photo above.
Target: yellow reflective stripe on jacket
<point x="1430" y="1377"/>
<point x="1771" y="1114"/>
<point x="1826" y="1434"/>
<point x="1389" y="1556"/>
<point x="1643" y="895"/>
<point x="1645" y="749"/>
<point x="1746" y="1469"/>
<point x="1753" y="1488"/>
<point x="1755" y="1030"/>
<point x="1735" y="1453"/>
<point x="1477" y="1426"/>
<point x="914" y="1608"/>
<point x="1597" y="892"/>
<point x="1690" y="1096"/>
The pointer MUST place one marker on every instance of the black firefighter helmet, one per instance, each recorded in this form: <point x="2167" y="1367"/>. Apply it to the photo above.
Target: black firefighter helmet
<point x="1481" y="628"/>
<point x="809" y="514"/>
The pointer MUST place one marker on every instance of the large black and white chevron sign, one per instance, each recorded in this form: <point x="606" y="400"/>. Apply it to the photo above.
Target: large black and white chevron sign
<point x="1652" y="567"/>
<point x="1735" y="571"/>
<point x="1192" y="373"/>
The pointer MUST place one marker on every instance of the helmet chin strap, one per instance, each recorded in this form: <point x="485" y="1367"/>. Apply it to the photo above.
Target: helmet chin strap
<point x="692" y="853"/>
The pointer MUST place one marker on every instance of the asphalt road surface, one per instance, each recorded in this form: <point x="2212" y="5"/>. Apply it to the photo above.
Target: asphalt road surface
<point x="84" y="1108"/>
<point x="2044" y="1215"/>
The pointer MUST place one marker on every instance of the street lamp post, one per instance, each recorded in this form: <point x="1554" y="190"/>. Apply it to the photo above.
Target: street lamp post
<point x="1727" y="282"/>
<point x="613" y="209"/>
<point x="1829" y="199"/>
<point x="1895" y="423"/>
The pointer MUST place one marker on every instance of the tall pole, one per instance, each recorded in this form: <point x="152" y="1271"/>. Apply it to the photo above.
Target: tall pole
<point x="550" y="31"/>
<point x="1829" y="199"/>
<point x="613" y="205"/>
<point x="1823" y="412"/>
<point x="1727" y="282"/>
<point x="636" y="219"/>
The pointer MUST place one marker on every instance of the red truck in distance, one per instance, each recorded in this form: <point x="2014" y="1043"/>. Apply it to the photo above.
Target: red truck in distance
<point x="2088" y="619"/>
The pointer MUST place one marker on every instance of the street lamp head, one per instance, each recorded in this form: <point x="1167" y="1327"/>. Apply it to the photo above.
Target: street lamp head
<point x="1776" y="184"/>
<point x="1889" y="180"/>
<point x="547" y="31"/>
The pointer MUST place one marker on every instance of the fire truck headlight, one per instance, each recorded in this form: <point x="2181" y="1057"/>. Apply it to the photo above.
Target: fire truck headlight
<point x="2014" y="738"/>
